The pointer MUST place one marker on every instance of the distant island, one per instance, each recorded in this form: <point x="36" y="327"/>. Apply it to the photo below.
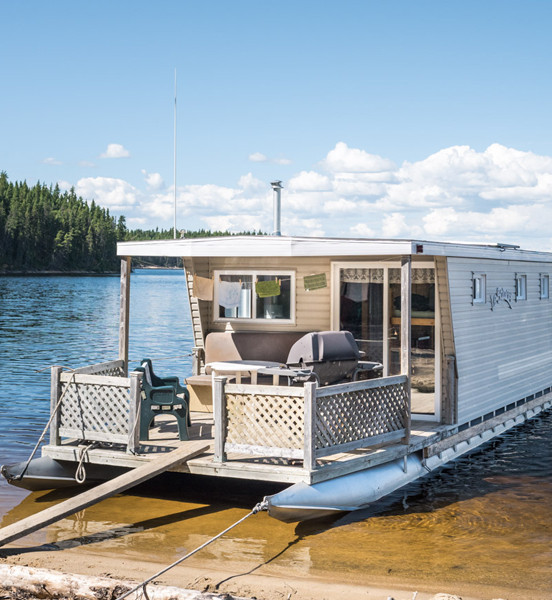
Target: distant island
<point x="43" y="229"/>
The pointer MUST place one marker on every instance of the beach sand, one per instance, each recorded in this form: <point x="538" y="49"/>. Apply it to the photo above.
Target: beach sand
<point x="230" y="579"/>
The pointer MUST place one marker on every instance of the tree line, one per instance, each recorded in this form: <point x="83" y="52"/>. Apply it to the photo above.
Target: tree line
<point x="45" y="229"/>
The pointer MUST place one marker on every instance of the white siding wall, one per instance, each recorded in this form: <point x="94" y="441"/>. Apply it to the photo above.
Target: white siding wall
<point x="504" y="354"/>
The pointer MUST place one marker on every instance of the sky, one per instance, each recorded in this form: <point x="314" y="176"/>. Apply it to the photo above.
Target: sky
<point x="399" y="119"/>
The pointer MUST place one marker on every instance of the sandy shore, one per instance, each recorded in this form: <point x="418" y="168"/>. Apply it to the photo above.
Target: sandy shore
<point x="229" y="579"/>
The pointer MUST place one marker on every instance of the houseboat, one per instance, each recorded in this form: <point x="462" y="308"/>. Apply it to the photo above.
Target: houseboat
<point x="345" y="368"/>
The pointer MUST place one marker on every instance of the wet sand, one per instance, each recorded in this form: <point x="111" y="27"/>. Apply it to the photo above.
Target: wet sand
<point x="484" y="546"/>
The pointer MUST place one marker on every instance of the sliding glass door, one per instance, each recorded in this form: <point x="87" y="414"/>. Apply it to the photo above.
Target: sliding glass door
<point x="367" y="302"/>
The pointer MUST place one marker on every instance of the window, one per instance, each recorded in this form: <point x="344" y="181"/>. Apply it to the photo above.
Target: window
<point x="479" y="285"/>
<point x="544" y="279"/>
<point x="254" y="295"/>
<point x="521" y="287"/>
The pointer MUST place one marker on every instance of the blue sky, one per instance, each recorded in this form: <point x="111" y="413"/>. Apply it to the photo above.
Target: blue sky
<point x="398" y="119"/>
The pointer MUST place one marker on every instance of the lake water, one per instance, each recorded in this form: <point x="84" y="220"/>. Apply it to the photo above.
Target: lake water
<point x="483" y="522"/>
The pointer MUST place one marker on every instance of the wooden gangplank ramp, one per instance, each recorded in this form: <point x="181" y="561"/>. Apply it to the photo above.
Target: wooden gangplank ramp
<point x="104" y="490"/>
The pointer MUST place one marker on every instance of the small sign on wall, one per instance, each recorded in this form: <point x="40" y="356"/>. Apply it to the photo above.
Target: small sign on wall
<point x="315" y="282"/>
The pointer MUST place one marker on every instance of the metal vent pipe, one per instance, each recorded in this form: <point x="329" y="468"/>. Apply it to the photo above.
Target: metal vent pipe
<point x="277" y="187"/>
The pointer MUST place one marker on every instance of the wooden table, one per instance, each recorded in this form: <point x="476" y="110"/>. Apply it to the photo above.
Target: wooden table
<point x="237" y="368"/>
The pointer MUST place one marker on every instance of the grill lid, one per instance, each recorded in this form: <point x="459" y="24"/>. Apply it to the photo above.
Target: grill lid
<point x="324" y="346"/>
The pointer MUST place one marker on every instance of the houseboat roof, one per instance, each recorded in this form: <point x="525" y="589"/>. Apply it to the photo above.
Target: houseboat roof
<point x="290" y="246"/>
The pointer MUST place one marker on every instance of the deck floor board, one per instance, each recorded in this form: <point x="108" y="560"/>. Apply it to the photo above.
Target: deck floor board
<point x="164" y="438"/>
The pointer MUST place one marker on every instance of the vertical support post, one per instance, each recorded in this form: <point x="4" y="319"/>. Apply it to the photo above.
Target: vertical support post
<point x="134" y="412"/>
<point x="221" y="420"/>
<point x="124" y="313"/>
<point x="386" y="323"/>
<point x="309" y="445"/>
<point x="406" y="336"/>
<point x="55" y="393"/>
<point x="197" y="359"/>
<point x="449" y="417"/>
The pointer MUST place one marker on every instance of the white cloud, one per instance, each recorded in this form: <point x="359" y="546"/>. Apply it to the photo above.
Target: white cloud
<point x="343" y="159"/>
<point x="251" y="185"/>
<point x="260" y="157"/>
<point x="310" y="181"/>
<point x="52" y="161"/>
<point x="394" y="225"/>
<point x="233" y="223"/>
<point x="362" y="230"/>
<point x="498" y="194"/>
<point x="154" y="181"/>
<point x="136" y="223"/>
<point x="115" y="194"/>
<point x="86" y="163"/>
<point x="64" y="185"/>
<point x="115" y="151"/>
<point x="293" y="225"/>
<point x="341" y="206"/>
<point x="281" y="161"/>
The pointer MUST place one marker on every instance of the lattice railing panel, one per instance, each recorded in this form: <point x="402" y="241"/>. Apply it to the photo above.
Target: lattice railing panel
<point x="114" y="368"/>
<point x="95" y="412"/>
<point x="112" y="372"/>
<point x="264" y="423"/>
<point x="357" y="415"/>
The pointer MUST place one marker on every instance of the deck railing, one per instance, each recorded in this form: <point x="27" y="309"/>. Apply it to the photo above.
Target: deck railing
<point x="309" y="422"/>
<point x="98" y="403"/>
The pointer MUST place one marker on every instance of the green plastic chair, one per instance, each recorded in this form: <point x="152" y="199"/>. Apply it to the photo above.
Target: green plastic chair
<point x="162" y="400"/>
<point x="157" y="381"/>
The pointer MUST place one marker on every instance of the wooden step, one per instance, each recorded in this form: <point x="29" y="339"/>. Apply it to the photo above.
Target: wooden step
<point x="104" y="490"/>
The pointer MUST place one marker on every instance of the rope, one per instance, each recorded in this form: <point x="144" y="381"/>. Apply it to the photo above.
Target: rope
<point x="41" y="438"/>
<point x="156" y="358"/>
<point x="80" y="473"/>
<point x="133" y="429"/>
<point x="258" y="508"/>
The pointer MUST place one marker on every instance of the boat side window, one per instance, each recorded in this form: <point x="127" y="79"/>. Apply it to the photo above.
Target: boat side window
<point x="544" y="279"/>
<point x="521" y="286"/>
<point x="254" y="295"/>
<point x="479" y="288"/>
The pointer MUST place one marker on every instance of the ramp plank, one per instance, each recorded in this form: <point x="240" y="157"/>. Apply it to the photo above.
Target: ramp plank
<point x="104" y="490"/>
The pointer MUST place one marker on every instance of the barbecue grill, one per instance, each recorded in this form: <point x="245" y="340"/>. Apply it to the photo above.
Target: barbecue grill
<point x="332" y="355"/>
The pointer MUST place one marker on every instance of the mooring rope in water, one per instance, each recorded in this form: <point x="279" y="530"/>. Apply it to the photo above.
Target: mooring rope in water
<point x="41" y="438"/>
<point x="261" y="506"/>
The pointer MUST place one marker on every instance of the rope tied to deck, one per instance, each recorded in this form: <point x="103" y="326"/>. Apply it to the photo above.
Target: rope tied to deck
<point x="80" y="473"/>
<point x="259" y="507"/>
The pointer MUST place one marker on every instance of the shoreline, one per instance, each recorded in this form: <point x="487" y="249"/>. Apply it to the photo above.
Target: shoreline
<point x="80" y="273"/>
<point x="57" y="274"/>
<point x="252" y="584"/>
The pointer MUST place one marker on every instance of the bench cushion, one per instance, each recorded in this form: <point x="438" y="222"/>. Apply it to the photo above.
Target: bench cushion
<point x="250" y="345"/>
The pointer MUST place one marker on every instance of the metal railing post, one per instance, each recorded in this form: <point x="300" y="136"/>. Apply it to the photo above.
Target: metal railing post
<point x="406" y="337"/>
<point x="55" y="393"/>
<point x="221" y="420"/>
<point x="134" y="412"/>
<point x="124" y="312"/>
<point x="309" y="450"/>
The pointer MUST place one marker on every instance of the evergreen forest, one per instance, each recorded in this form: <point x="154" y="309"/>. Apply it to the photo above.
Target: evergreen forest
<point x="45" y="229"/>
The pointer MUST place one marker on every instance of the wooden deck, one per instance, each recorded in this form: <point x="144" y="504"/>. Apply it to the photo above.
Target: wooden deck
<point x="164" y="438"/>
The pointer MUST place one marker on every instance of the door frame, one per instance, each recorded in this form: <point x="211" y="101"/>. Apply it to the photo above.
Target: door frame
<point x="336" y="266"/>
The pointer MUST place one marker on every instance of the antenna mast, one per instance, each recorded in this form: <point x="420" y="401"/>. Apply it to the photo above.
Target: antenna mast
<point x="175" y="153"/>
